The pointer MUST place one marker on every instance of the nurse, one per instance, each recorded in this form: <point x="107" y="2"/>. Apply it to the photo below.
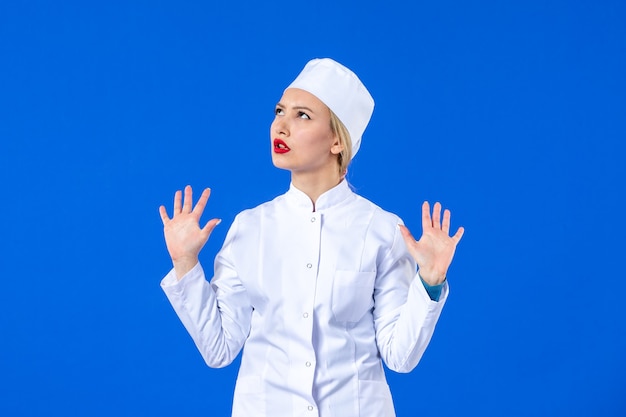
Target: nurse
<point x="318" y="286"/>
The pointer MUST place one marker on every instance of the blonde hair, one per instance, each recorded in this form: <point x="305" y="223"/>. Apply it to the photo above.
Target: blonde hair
<point x="340" y="130"/>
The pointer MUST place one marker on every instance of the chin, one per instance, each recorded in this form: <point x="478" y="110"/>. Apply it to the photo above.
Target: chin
<point x="280" y="164"/>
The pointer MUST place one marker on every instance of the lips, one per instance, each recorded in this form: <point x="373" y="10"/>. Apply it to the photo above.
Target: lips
<point x="280" y="146"/>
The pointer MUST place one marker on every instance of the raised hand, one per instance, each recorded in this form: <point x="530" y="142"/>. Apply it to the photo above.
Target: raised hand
<point x="435" y="249"/>
<point x="183" y="235"/>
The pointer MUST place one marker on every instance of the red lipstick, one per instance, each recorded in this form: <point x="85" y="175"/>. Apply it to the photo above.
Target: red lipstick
<point x="280" y="146"/>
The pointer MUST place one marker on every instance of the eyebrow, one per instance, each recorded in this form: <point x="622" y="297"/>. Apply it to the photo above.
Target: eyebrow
<point x="296" y="107"/>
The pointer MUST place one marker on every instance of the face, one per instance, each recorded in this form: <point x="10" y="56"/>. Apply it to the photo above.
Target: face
<point x="302" y="139"/>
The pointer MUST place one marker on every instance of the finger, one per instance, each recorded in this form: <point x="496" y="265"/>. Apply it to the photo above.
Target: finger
<point x="458" y="235"/>
<point x="426" y="220"/>
<point x="188" y="199"/>
<point x="201" y="204"/>
<point x="406" y="235"/>
<point x="177" y="202"/>
<point x="208" y="228"/>
<point x="437" y="215"/>
<point x="164" y="217"/>
<point x="445" y="224"/>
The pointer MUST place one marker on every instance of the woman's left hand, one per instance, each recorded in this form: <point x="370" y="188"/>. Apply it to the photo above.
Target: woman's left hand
<point x="435" y="249"/>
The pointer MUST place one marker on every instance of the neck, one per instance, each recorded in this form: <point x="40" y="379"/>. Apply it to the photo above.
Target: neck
<point x="314" y="185"/>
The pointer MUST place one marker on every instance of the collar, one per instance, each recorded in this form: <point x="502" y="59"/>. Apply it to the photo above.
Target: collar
<point x="329" y="199"/>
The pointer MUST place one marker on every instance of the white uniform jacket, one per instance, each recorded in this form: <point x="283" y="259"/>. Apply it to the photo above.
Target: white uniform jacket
<point x="317" y="299"/>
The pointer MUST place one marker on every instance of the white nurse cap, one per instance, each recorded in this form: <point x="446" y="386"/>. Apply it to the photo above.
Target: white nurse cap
<point x="342" y="91"/>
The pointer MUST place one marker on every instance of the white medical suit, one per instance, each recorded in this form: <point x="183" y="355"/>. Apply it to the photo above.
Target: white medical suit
<point x="316" y="299"/>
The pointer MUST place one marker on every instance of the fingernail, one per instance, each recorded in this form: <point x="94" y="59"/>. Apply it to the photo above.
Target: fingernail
<point x="218" y="221"/>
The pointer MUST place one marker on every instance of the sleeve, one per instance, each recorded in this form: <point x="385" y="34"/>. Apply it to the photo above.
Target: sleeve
<point x="217" y="314"/>
<point x="404" y="314"/>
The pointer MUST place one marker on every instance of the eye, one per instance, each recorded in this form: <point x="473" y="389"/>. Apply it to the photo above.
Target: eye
<point x="278" y="111"/>
<point x="303" y="115"/>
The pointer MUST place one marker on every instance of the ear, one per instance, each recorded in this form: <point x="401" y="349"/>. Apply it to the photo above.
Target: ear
<point x="337" y="146"/>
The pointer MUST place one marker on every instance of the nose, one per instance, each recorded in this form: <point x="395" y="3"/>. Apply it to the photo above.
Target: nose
<point x="280" y="126"/>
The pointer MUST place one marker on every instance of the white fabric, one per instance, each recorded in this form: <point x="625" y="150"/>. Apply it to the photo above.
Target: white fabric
<point x="342" y="91"/>
<point x="318" y="298"/>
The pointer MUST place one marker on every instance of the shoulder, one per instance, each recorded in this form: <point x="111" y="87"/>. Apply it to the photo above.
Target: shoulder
<point x="246" y="228"/>
<point x="255" y="213"/>
<point x="379" y="216"/>
<point x="380" y="231"/>
<point x="376" y="223"/>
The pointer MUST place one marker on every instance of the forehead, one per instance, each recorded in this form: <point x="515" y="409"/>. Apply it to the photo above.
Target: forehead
<point x="295" y="97"/>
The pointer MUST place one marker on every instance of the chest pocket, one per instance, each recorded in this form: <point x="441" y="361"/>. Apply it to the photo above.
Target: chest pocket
<point x="353" y="295"/>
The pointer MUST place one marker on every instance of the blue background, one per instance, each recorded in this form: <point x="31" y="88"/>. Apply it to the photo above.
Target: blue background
<point x="510" y="113"/>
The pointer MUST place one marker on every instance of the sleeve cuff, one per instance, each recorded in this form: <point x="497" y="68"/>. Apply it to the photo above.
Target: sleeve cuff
<point x="171" y="279"/>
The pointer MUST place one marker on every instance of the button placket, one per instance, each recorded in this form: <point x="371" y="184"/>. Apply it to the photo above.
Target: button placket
<point x="304" y="367"/>
<point x="313" y="220"/>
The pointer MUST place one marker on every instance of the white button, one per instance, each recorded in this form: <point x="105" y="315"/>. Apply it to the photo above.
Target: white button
<point x="309" y="266"/>
<point x="310" y="408"/>
<point x="312" y="219"/>
<point x="308" y="364"/>
<point x="305" y="315"/>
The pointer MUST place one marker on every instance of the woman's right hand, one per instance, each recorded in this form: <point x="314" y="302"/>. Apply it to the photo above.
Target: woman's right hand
<point x="183" y="236"/>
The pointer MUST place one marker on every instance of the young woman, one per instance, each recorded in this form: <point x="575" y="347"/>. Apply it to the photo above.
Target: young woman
<point x="318" y="285"/>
